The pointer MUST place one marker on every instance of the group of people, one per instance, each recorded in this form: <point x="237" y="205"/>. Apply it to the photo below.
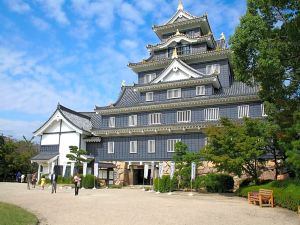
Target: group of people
<point x="53" y="180"/>
<point x="30" y="178"/>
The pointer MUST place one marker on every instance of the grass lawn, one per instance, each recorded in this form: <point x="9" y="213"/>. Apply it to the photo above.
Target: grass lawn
<point x="14" y="215"/>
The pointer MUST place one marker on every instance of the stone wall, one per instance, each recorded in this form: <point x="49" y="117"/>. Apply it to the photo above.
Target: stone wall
<point x="121" y="174"/>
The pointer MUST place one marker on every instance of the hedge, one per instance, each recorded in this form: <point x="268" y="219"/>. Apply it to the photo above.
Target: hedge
<point x="64" y="180"/>
<point x="215" y="183"/>
<point x="165" y="184"/>
<point x="286" y="193"/>
<point x="88" y="181"/>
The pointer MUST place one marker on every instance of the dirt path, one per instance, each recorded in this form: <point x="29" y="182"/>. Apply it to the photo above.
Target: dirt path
<point x="126" y="206"/>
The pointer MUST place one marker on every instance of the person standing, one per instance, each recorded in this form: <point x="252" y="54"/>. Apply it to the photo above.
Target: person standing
<point x="34" y="179"/>
<point x="77" y="180"/>
<point x="18" y="176"/>
<point x="29" y="179"/>
<point x="53" y="182"/>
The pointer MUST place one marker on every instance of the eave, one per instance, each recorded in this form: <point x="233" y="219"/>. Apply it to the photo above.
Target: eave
<point x="181" y="83"/>
<point x="146" y="65"/>
<point x="158" y="129"/>
<point x="186" y="24"/>
<point x="178" y="37"/>
<point x="178" y="104"/>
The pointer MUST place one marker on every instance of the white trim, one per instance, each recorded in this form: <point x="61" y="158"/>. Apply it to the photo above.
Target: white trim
<point x="112" y="122"/>
<point x="200" y="90"/>
<point x="149" y="77"/>
<point x="133" y="147"/>
<point x="176" y="66"/>
<point x="184" y="116"/>
<point x="149" y="96"/>
<point x="263" y="113"/>
<point x="151" y="146"/>
<point x="179" y="14"/>
<point x="243" y="111"/>
<point x="154" y="118"/>
<point x="56" y="117"/>
<point x="171" y="144"/>
<point x="171" y="93"/>
<point x="132" y="120"/>
<point x="213" y="69"/>
<point x="111" y="147"/>
<point x="211" y="114"/>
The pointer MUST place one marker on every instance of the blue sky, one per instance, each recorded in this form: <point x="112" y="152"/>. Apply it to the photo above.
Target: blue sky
<point x="76" y="51"/>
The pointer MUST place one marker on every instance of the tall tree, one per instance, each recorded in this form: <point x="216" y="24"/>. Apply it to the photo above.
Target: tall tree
<point x="266" y="51"/>
<point x="76" y="155"/>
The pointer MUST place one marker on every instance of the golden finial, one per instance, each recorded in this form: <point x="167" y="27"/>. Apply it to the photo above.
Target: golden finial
<point x="222" y="36"/>
<point x="180" y="6"/>
<point x="177" y="32"/>
<point x="174" y="55"/>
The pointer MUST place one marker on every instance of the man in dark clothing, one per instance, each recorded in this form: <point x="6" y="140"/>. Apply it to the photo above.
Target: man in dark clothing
<point x="53" y="182"/>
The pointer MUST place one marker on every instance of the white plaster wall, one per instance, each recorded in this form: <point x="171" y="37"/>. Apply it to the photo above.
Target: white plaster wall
<point x="50" y="139"/>
<point x="65" y="127"/>
<point x="67" y="140"/>
<point x="53" y="127"/>
<point x="178" y="75"/>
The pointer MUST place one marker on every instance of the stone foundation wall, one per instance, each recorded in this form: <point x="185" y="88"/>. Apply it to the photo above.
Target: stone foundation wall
<point x="121" y="174"/>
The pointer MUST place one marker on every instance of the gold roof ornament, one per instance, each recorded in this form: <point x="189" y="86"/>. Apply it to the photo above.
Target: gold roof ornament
<point x="222" y="36"/>
<point x="177" y="32"/>
<point x="180" y="6"/>
<point x="174" y="55"/>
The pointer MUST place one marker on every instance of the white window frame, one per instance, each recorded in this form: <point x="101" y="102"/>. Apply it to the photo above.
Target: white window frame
<point x="110" y="147"/>
<point x="184" y="116"/>
<point x="132" y="120"/>
<point x="154" y="118"/>
<point x="149" y="96"/>
<point x="151" y="146"/>
<point x="210" y="69"/>
<point x="149" y="77"/>
<point x="112" y="122"/>
<point x="263" y="113"/>
<point x="211" y="114"/>
<point x="200" y="90"/>
<point x="171" y="144"/>
<point x="243" y="111"/>
<point x="133" y="147"/>
<point x="205" y="141"/>
<point x="171" y="93"/>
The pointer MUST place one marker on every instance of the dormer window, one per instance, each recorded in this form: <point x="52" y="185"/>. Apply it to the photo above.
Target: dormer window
<point x="200" y="90"/>
<point x="214" y="68"/>
<point x="149" y="96"/>
<point x="149" y="77"/>
<point x="174" y="93"/>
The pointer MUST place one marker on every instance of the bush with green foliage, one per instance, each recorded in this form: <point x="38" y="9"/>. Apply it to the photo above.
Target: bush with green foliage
<point x="64" y="180"/>
<point x="286" y="193"/>
<point x="88" y="181"/>
<point x="115" y="186"/>
<point x="215" y="183"/>
<point x="165" y="184"/>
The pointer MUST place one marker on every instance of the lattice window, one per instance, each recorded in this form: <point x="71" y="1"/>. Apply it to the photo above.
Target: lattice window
<point x="211" y="114"/>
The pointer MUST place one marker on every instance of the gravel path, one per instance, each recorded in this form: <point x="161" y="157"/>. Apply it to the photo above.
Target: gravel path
<point x="134" y="206"/>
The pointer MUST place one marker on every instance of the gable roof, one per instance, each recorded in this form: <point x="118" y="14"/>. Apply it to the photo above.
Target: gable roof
<point x="79" y="122"/>
<point x="179" y="16"/>
<point x="174" y="69"/>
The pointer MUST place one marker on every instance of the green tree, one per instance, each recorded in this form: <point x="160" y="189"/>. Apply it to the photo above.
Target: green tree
<point x="76" y="155"/>
<point x="183" y="159"/>
<point x="235" y="148"/>
<point x="266" y="52"/>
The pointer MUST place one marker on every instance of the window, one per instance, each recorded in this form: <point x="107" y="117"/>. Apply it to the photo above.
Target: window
<point x="200" y="90"/>
<point x="102" y="174"/>
<point x="154" y="118"/>
<point x="174" y="93"/>
<point x="149" y="77"/>
<point x="151" y="146"/>
<point x="214" y="68"/>
<point x="211" y="114"/>
<point x="184" y="116"/>
<point x="132" y="120"/>
<point x="112" y="122"/>
<point x="133" y="146"/>
<point x="205" y="141"/>
<point x="263" y="113"/>
<point x="110" y="147"/>
<point x="149" y="96"/>
<point x="181" y="50"/>
<point x="243" y="111"/>
<point x="171" y="144"/>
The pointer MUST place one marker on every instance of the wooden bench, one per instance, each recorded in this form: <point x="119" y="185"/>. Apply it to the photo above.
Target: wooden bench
<point x="264" y="197"/>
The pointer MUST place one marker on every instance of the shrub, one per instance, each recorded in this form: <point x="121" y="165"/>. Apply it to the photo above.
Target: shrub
<point x="64" y="180"/>
<point x="115" y="186"/>
<point x="165" y="184"/>
<point x="88" y="181"/>
<point x="214" y="182"/>
<point x="286" y="193"/>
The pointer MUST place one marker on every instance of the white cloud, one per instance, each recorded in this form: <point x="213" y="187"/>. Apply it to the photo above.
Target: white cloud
<point x="54" y="9"/>
<point x="18" y="6"/>
<point x="40" y="23"/>
<point x="129" y="12"/>
<point x="128" y="44"/>
<point x="18" y="128"/>
<point x="82" y="30"/>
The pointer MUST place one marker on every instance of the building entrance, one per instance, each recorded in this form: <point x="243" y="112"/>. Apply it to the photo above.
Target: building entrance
<point x="138" y="175"/>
